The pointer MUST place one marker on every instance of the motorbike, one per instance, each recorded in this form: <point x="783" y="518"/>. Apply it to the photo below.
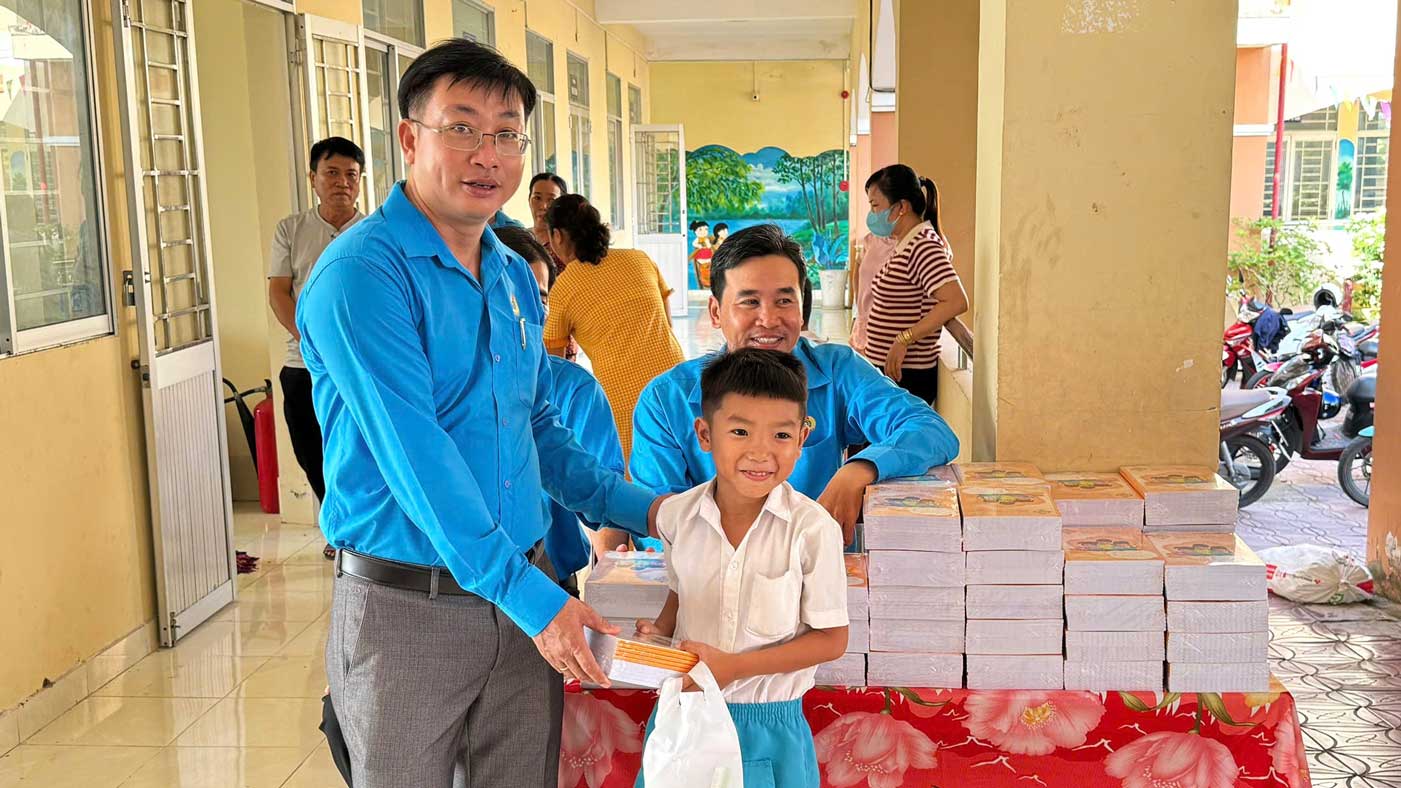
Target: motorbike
<point x="1247" y="460"/>
<point x="1299" y="430"/>
<point x="1239" y="355"/>
<point x="1355" y="467"/>
<point x="1345" y="361"/>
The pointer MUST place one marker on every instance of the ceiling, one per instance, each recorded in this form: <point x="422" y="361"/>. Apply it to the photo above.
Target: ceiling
<point x="686" y="30"/>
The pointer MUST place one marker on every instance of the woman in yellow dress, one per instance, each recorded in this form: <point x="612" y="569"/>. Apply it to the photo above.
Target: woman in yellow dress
<point x="614" y="302"/>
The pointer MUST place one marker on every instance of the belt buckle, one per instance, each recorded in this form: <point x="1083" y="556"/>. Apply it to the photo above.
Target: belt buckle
<point x="433" y="575"/>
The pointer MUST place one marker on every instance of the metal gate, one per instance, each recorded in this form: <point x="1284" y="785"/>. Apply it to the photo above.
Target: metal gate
<point x="659" y="179"/>
<point x="186" y="444"/>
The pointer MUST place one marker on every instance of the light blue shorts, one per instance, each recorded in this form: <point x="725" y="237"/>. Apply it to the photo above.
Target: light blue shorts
<point x="775" y="742"/>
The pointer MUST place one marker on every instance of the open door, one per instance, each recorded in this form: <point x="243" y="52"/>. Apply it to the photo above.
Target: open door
<point x="659" y="175"/>
<point x="332" y="54"/>
<point x="186" y="443"/>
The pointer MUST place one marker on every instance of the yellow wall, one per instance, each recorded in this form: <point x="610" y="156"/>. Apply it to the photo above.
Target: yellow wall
<point x="800" y="107"/>
<point x="1106" y="311"/>
<point x="76" y="571"/>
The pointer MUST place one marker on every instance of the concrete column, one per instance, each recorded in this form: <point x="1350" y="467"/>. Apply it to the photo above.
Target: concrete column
<point x="1103" y="198"/>
<point x="1384" y="520"/>
<point x="938" y="96"/>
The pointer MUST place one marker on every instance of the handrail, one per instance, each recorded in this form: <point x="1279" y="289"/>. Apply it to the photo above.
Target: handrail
<point x="963" y="335"/>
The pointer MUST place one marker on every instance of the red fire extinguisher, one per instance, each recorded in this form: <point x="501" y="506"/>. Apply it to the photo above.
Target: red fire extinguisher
<point x="261" y="434"/>
<point x="265" y="439"/>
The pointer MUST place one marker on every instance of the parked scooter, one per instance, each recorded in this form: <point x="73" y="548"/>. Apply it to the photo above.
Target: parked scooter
<point x="1238" y="352"/>
<point x="1299" y="430"/>
<point x="1355" y="467"/>
<point x="1247" y="461"/>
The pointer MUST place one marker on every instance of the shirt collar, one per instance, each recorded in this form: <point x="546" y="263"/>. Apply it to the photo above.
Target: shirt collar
<point x="418" y="238"/>
<point x="316" y="212"/>
<point x="910" y="236"/>
<point x="817" y="376"/>
<point x="777" y="504"/>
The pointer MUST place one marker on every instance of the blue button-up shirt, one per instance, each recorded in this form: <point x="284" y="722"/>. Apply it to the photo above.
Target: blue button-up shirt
<point x="850" y="401"/>
<point x="432" y="390"/>
<point x="584" y="409"/>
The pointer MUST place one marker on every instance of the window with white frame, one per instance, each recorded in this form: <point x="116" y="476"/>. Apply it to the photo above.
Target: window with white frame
<point x="615" y="150"/>
<point x="634" y="104"/>
<point x="1308" y="166"/>
<point x="385" y="63"/>
<point x="54" y="284"/>
<point x="1373" y="141"/>
<point x="398" y="19"/>
<point x="580" y="126"/>
<point x="474" y="21"/>
<point x="540" y="67"/>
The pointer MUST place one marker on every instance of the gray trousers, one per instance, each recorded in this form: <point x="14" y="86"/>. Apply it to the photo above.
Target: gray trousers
<point x="443" y="692"/>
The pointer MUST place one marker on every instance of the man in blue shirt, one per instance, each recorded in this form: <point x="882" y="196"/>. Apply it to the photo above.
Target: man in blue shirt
<point x="422" y="334"/>
<point x="756" y="301"/>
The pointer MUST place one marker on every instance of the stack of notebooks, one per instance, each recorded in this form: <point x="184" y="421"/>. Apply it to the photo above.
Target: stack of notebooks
<point x="1184" y="499"/>
<point x="850" y="669"/>
<point x="939" y="476"/>
<point x="1096" y="499"/>
<point x="1218" y="614"/>
<point x="638" y="661"/>
<point x="998" y="474"/>
<point x="913" y="534"/>
<point x="1014" y="562"/>
<point x="625" y="586"/>
<point x="1114" y="611"/>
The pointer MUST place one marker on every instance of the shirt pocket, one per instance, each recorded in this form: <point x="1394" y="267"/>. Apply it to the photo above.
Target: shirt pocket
<point x="528" y="366"/>
<point x="773" y="605"/>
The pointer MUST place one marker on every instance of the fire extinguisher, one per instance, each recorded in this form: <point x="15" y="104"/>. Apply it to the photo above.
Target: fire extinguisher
<point x="261" y="433"/>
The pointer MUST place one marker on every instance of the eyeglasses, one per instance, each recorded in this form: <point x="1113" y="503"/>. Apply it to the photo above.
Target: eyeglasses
<point x="460" y="136"/>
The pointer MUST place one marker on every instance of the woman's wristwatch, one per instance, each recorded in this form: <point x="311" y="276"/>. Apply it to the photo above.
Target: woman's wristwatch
<point x="905" y="337"/>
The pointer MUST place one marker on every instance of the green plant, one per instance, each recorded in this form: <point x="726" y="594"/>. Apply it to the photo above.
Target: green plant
<point x="1369" y="247"/>
<point x="1278" y="260"/>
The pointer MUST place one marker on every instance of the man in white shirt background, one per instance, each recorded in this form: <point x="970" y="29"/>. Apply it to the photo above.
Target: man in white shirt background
<point x="337" y="165"/>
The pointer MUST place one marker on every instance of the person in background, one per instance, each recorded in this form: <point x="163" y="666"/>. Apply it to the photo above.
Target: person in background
<point x="583" y="408"/>
<point x="755" y="571"/>
<point x="917" y="291"/>
<point x="876" y="252"/>
<point x="421" y="333"/>
<point x="756" y="302"/>
<point x="336" y="167"/>
<point x="545" y="188"/>
<point x="614" y="303"/>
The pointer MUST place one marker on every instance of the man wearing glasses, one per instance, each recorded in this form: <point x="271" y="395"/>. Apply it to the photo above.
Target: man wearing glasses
<point x="422" y="333"/>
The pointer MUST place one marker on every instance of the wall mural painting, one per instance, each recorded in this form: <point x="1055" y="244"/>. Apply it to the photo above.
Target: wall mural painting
<point x="805" y="195"/>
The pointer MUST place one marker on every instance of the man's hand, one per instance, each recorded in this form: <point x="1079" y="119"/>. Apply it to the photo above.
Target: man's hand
<point x="562" y="643"/>
<point x="895" y="359"/>
<point x="843" y="496"/>
<point x="721" y="664"/>
<point x="652" y="514"/>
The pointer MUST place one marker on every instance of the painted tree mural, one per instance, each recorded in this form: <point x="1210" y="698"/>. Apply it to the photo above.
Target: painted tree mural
<point x="718" y="183"/>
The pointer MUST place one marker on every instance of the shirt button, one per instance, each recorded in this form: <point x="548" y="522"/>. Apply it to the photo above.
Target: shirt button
<point x="508" y="485"/>
<point x="497" y="358"/>
<point x="505" y="422"/>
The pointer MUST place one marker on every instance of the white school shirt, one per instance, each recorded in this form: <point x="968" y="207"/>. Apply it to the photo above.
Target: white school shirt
<point x="786" y="578"/>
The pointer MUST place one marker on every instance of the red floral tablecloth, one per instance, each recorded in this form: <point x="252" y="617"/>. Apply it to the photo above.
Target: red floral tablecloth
<point x="888" y="738"/>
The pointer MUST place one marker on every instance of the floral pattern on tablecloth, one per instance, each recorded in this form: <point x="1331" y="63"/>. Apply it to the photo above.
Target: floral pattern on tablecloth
<point x="873" y="737"/>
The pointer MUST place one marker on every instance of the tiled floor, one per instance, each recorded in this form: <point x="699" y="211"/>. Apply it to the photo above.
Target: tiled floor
<point x="236" y="704"/>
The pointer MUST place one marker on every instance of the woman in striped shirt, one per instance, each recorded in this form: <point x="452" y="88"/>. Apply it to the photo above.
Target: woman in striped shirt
<point x="917" y="291"/>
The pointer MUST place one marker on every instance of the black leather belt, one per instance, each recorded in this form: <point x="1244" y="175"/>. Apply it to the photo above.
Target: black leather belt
<point x="430" y="580"/>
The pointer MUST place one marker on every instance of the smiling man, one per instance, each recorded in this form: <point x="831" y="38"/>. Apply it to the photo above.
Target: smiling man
<point x="757" y="301"/>
<point x="422" y="333"/>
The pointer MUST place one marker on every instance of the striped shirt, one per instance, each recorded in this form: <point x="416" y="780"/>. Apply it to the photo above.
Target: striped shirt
<point x="903" y="294"/>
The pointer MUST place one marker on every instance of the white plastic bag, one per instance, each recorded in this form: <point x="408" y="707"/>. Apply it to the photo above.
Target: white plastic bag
<point x="1313" y="574"/>
<point x="693" y="743"/>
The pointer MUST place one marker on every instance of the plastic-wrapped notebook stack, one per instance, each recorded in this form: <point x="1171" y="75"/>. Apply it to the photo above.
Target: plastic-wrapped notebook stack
<point x="1114" y="611"/>
<point x="849" y="670"/>
<point x="1014" y="562"/>
<point x="1218" y="614"/>
<point x="1184" y="499"/>
<point x="914" y="539"/>
<point x="626" y="586"/>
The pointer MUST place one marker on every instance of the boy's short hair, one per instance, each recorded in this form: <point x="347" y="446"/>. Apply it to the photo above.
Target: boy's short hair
<point x="753" y="372"/>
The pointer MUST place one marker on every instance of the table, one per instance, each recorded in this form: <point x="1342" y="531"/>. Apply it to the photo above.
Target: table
<point x="873" y="737"/>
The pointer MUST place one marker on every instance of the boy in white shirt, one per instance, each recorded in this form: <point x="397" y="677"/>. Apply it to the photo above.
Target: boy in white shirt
<point x="758" y="584"/>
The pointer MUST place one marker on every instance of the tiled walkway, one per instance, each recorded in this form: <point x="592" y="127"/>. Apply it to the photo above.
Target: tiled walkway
<point x="236" y="704"/>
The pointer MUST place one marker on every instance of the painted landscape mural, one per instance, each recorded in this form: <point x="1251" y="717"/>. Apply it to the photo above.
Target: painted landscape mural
<point x="805" y="195"/>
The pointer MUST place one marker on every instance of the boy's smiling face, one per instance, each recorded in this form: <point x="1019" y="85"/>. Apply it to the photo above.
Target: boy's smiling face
<point x="754" y="441"/>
